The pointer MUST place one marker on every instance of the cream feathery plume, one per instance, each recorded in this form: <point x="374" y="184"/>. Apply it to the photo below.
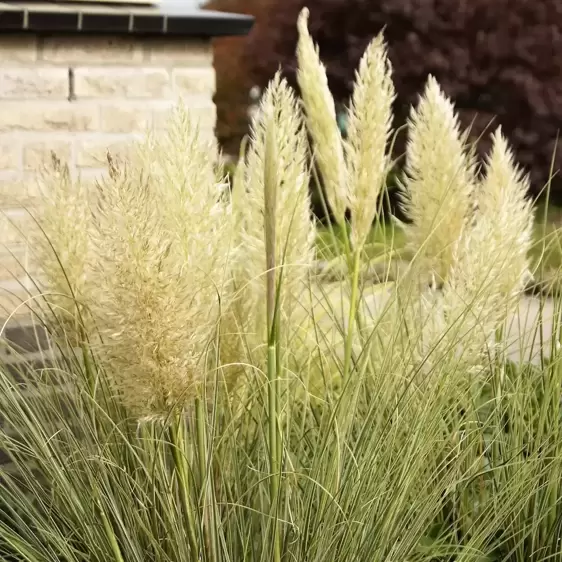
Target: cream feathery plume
<point x="503" y="201"/>
<point x="277" y="160"/>
<point x="370" y="121"/>
<point x="440" y="179"/>
<point x="161" y="266"/>
<point x="489" y="271"/>
<point x="190" y="184"/>
<point x="491" y="262"/>
<point x="321" y="121"/>
<point x="63" y="250"/>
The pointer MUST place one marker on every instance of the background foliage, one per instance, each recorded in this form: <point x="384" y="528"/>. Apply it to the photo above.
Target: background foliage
<point x="498" y="60"/>
<point x="234" y="79"/>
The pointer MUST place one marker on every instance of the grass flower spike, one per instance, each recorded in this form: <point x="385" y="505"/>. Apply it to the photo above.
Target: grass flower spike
<point x="161" y="280"/>
<point x="370" y="120"/>
<point x="439" y="181"/>
<point x="321" y="120"/>
<point x="190" y="189"/>
<point x="63" y="248"/>
<point x="503" y="202"/>
<point x="278" y="129"/>
<point x="488" y="273"/>
<point x="491" y="263"/>
<point x="144" y="308"/>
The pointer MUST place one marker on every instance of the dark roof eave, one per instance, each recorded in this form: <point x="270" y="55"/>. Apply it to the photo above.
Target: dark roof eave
<point x="161" y="20"/>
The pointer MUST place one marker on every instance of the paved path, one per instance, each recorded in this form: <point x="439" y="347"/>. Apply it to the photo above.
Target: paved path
<point x="523" y="334"/>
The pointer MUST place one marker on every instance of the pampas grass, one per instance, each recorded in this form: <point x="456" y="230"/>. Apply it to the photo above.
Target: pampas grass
<point x="61" y="243"/>
<point x="369" y="128"/>
<point x="321" y="121"/>
<point x="439" y="182"/>
<point x="220" y="403"/>
<point x="280" y="162"/>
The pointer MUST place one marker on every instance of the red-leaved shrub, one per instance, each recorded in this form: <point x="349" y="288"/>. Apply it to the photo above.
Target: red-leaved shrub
<point x="233" y="76"/>
<point x="499" y="60"/>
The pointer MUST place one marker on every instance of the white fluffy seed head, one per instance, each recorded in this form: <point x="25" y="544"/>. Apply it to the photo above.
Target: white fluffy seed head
<point x="321" y="120"/>
<point x="161" y="244"/>
<point x="490" y="261"/>
<point x="439" y="182"/>
<point x="63" y="249"/>
<point x="278" y="130"/>
<point x="370" y="121"/>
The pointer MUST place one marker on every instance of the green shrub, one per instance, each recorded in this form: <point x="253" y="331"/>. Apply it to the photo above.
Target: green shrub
<point x="211" y="400"/>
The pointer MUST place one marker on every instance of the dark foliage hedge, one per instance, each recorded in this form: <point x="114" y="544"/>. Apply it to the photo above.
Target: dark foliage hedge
<point x="233" y="78"/>
<point x="500" y="60"/>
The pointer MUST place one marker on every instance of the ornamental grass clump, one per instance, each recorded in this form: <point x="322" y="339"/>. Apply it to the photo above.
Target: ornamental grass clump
<point x="137" y="260"/>
<point x="215" y="401"/>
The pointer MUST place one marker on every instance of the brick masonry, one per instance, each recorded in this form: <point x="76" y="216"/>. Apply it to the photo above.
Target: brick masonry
<point x="78" y="96"/>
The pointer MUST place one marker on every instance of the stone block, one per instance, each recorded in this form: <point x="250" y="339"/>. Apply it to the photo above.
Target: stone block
<point x="10" y="153"/>
<point x="44" y="116"/>
<point x="125" y="82"/>
<point x="190" y="81"/>
<point x="13" y="192"/>
<point x="13" y="263"/>
<point x="205" y="115"/>
<point x="15" y="227"/>
<point x="13" y="295"/>
<point x="16" y="49"/>
<point x="97" y="50"/>
<point x="37" y="154"/>
<point x="125" y="117"/>
<point x="27" y="337"/>
<point x="93" y="153"/>
<point x="192" y="53"/>
<point x="34" y="83"/>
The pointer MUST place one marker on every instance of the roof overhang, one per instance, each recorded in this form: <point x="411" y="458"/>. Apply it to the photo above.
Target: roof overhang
<point x="167" y="18"/>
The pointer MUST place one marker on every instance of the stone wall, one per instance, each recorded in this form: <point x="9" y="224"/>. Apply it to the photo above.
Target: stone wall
<point x="78" y="96"/>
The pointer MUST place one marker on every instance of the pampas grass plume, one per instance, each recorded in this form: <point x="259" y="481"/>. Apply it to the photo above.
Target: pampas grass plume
<point x="370" y="121"/>
<point x="276" y="210"/>
<point x="321" y="120"/>
<point x="439" y="181"/>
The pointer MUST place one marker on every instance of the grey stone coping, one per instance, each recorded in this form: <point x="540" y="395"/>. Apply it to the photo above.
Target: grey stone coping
<point x="167" y="18"/>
